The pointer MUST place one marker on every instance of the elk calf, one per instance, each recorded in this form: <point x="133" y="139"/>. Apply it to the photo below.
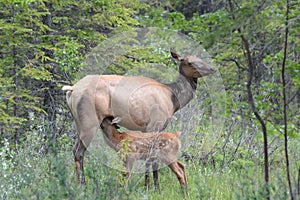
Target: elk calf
<point x="151" y="147"/>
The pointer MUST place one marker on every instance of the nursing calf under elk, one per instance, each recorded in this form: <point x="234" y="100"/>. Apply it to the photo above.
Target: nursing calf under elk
<point x="144" y="104"/>
<point x="151" y="147"/>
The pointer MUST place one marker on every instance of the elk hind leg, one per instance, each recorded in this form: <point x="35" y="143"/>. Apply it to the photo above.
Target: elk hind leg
<point x="79" y="150"/>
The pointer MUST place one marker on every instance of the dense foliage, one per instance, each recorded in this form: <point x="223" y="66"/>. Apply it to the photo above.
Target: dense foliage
<point x="43" y="45"/>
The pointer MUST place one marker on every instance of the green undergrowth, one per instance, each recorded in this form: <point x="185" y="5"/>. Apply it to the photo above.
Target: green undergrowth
<point x="51" y="176"/>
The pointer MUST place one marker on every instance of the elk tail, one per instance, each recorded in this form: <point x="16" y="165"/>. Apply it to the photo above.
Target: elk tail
<point x="68" y="88"/>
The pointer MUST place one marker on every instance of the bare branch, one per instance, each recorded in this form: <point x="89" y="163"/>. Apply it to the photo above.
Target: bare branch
<point x="251" y="66"/>
<point x="285" y="100"/>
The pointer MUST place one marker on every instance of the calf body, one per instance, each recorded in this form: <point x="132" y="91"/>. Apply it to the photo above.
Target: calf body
<point x="151" y="147"/>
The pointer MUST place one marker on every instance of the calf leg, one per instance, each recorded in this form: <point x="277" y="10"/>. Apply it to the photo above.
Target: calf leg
<point x="147" y="178"/>
<point x="180" y="173"/>
<point x="129" y="161"/>
<point x="181" y="165"/>
<point x="155" y="175"/>
<point x="179" y="169"/>
<point x="129" y="165"/>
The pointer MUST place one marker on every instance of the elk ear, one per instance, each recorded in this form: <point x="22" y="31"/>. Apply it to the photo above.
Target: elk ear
<point x="175" y="55"/>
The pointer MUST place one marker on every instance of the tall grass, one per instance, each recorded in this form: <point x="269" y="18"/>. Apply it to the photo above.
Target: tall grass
<point x="30" y="175"/>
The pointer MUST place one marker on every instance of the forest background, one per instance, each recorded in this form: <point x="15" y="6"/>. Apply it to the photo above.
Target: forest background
<point x="254" y="44"/>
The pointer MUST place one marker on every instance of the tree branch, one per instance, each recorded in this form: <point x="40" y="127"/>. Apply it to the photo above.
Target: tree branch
<point x="235" y="61"/>
<point x="285" y="100"/>
<point x="251" y="66"/>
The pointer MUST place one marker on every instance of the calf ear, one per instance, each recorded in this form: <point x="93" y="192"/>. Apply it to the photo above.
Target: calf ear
<point x="175" y="55"/>
<point x="116" y="120"/>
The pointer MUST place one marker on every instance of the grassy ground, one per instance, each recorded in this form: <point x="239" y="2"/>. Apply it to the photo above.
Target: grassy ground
<point x="52" y="177"/>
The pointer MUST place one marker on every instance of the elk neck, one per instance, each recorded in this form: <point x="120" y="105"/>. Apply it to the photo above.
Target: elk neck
<point x="183" y="90"/>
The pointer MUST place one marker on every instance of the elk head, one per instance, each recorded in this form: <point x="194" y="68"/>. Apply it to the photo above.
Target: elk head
<point x="192" y="66"/>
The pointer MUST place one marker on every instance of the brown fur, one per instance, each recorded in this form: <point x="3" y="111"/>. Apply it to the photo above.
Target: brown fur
<point x="143" y="104"/>
<point x="152" y="147"/>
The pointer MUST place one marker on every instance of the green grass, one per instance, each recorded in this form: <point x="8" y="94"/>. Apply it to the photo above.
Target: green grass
<point x="28" y="175"/>
<point x="53" y="178"/>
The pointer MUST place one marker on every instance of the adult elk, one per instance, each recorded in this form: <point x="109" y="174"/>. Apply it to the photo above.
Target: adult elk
<point x="144" y="104"/>
<point x="152" y="147"/>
